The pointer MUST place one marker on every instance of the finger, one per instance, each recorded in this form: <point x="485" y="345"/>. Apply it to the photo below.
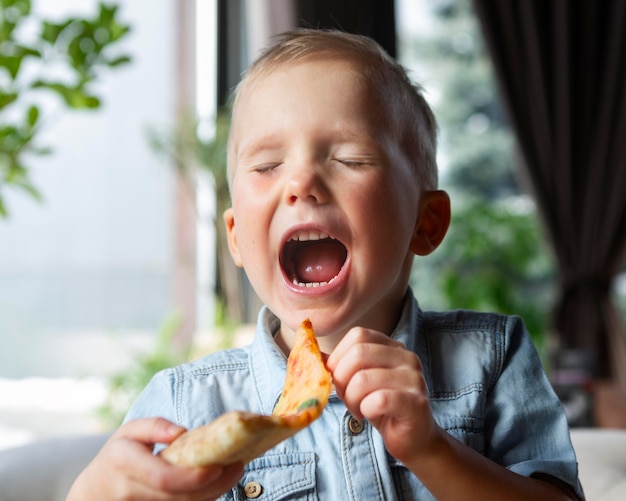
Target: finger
<point x="229" y="478"/>
<point x="144" y="467"/>
<point x="368" y="381"/>
<point x="367" y="356"/>
<point x="355" y="336"/>
<point x="206" y="481"/>
<point x="126" y="468"/>
<point x="165" y="482"/>
<point x="132" y="449"/>
<point x="149" y="431"/>
<point x="403" y="419"/>
<point x="398" y="405"/>
<point x="118" y="472"/>
<point x="360" y="336"/>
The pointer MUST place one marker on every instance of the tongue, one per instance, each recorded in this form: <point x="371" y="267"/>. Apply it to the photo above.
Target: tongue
<point x="319" y="261"/>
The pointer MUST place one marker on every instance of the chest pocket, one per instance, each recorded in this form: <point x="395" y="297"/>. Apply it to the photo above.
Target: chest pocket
<point x="462" y="415"/>
<point x="467" y="429"/>
<point x="274" y="477"/>
<point x="406" y="484"/>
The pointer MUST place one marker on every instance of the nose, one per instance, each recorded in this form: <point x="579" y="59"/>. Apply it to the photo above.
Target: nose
<point x="306" y="184"/>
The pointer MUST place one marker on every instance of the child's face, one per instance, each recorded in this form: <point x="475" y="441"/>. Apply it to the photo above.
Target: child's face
<point x="312" y="162"/>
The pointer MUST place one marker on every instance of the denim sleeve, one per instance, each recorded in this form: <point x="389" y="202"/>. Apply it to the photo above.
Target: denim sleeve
<point x="156" y="399"/>
<point x="524" y="417"/>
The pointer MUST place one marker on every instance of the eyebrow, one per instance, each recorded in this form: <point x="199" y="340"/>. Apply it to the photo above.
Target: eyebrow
<point x="263" y="143"/>
<point x="339" y="133"/>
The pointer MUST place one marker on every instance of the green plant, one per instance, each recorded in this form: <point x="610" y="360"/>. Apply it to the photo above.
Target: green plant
<point x="493" y="259"/>
<point x="79" y="49"/>
<point x="125" y="386"/>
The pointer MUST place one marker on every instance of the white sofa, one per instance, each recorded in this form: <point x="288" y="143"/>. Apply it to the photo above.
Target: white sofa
<point x="602" y="463"/>
<point x="44" y="471"/>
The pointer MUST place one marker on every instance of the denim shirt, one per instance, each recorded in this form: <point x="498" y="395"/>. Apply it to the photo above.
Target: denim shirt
<point x="487" y="388"/>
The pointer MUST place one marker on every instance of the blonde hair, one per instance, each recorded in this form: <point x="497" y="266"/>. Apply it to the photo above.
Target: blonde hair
<point x="407" y="112"/>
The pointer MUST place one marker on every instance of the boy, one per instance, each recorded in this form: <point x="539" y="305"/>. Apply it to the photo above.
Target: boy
<point x="334" y="191"/>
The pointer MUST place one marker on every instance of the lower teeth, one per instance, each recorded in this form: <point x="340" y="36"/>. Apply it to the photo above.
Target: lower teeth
<point x="311" y="284"/>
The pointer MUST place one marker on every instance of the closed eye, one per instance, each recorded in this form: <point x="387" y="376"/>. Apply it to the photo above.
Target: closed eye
<point x="265" y="168"/>
<point x="352" y="163"/>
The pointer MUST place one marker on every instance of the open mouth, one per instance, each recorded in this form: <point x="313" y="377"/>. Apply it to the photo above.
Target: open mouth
<point x="312" y="258"/>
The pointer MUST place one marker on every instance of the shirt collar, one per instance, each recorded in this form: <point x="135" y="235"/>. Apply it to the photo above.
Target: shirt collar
<point x="268" y="363"/>
<point x="410" y="331"/>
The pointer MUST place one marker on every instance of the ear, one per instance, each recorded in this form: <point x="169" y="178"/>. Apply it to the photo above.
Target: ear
<point x="432" y="222"/>
<point x="231" y="236"/>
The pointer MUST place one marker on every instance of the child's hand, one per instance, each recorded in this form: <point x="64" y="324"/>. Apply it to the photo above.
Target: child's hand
<point x="382" y="381"/>
<point x="126" y="469"/>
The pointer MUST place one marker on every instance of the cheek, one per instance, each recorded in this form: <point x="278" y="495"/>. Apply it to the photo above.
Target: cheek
<point x="391" y="216"/>
<point x="249" y="233"/>
<point x="252" y="229"/>
<point x="248" y="207"/>
<point x="251" y="196"/>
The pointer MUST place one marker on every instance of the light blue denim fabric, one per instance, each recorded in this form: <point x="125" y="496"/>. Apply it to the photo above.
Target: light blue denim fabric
<point x="487" y="389"/>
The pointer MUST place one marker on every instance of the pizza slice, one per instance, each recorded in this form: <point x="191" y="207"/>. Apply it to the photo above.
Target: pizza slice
<point x="240" y="436"/>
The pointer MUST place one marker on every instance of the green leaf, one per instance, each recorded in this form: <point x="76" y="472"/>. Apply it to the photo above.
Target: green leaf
<point x="7" y="130"/>
<point x="3" y="210"/>
<point x="6" y="32"/>
<point x="77" y="99"/>
<point x="12" y="13"/>
<point x="74" y="97"/>
<point x="28" y="187"/>
<point x="32" y="116"/>
<point x="17" y="174"/>
<point x="50" y="32"/>
<point x="12" y="63"/>
<point x="21" y="7"/>
<point x="12" y="140"/>
<point x="76" y="46"/>
<point x="107" y="18"/>
<point x="81" y="45"/>
<point x="119" y="61"/>
<point x="27" y="51"/>
<point x="12" y="56"/>
<point x="7" y="98"/>
<point x="41" y="151"/>
<point x="106" y="13"/>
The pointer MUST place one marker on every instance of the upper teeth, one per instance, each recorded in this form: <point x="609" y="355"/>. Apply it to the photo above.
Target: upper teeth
<point x="304" y="236"/>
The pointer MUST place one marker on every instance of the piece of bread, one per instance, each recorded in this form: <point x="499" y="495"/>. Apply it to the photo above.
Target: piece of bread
<point x="240" y="436"/>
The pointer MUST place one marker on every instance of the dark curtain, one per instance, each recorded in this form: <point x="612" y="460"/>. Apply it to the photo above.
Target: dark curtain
<point x="231" y="56"/>
<point x="562" y="69"/>
<point x="374" y="18"/>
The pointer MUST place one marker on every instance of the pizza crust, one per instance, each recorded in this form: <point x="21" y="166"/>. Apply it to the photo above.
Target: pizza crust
<point x="240" y="436"/>
<point x="235" y="436"/>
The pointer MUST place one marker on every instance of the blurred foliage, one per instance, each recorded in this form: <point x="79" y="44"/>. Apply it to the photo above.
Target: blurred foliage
<point x="195" y="152"/>
<point x="125" y="386"/>
<point x="77" y="48"/>
<point x="495" y="257"/>
<point x="191" y="151"/>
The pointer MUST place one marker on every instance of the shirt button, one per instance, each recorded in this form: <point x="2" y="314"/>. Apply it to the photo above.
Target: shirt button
<point x="253" y="490"/>
<point x="355" y="425"/>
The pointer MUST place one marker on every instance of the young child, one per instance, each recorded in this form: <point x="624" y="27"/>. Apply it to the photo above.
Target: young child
<point x="334" y="191"/>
